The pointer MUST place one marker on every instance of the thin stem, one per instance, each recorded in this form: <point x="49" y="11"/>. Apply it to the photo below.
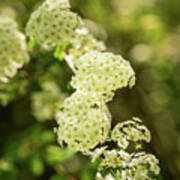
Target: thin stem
<point x="70" y="63"/>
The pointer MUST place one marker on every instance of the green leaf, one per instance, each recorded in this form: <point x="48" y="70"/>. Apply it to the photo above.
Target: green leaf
<point x="33" y="43"/>
<point x="37" y="166"/>
<point x="69" y="87"/>
<point x="59" y="52"/>
<point x="57" y="177"/>
<point x="90" y="171"/>
<point x="56" y="155"/>
<point x="47" y="137"/>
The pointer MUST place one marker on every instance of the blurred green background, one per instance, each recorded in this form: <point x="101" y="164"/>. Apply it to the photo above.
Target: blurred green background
<point x="146" y="32"/>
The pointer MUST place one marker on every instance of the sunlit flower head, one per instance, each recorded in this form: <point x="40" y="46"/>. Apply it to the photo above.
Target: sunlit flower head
<point x="53" y="23"/>
<point x="82" y="124"/>
<point x="102" y="73"/>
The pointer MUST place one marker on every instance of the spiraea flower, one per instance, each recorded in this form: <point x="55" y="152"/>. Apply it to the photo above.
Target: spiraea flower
<point x="100" y="177"/>
<point x="63" y="4"/>
<point x="46" y="102"/>
<point x="112" y="159"/>
<point x="141" y="164"/>
<point x="125" y="166"/>
<point x="131" y="130"/>
<point x="53" y="23"/>
<point x="97" y="153"/>
<point x="118" y="163"/>
<point x="13" y="51"/>
<point x="102" y="73"/>
<point x="82" y="123"/>
<point x="84" y="43"/>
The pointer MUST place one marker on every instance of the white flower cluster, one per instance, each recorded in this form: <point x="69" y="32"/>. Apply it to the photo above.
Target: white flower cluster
<point x="13" y="51"/>
<point x="84" y="43"/>
<point x="82" y="123"/>
<point x="53" y="23"/>
<point x="102" y="73"/>
<point x="84" y="120"/>
<point x="116" y="163"/>
<point x="140" y="166"/>
<point x="46" y="102"/>
<point x="131" y="130"/>
<point x="63" y="4"/>
<point x="135" y="166"/>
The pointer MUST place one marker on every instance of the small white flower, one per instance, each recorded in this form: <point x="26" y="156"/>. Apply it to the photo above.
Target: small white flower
<point x="109" y="177"/>
<point x="97" y="153"/>
<point x="13" y="51"/>
<point x="82" y="124"/>
<point x="130" y="130"/>
<point x="83" y="44"/>
<point x="101" y="74"/>
<point x="53" y="23"/>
